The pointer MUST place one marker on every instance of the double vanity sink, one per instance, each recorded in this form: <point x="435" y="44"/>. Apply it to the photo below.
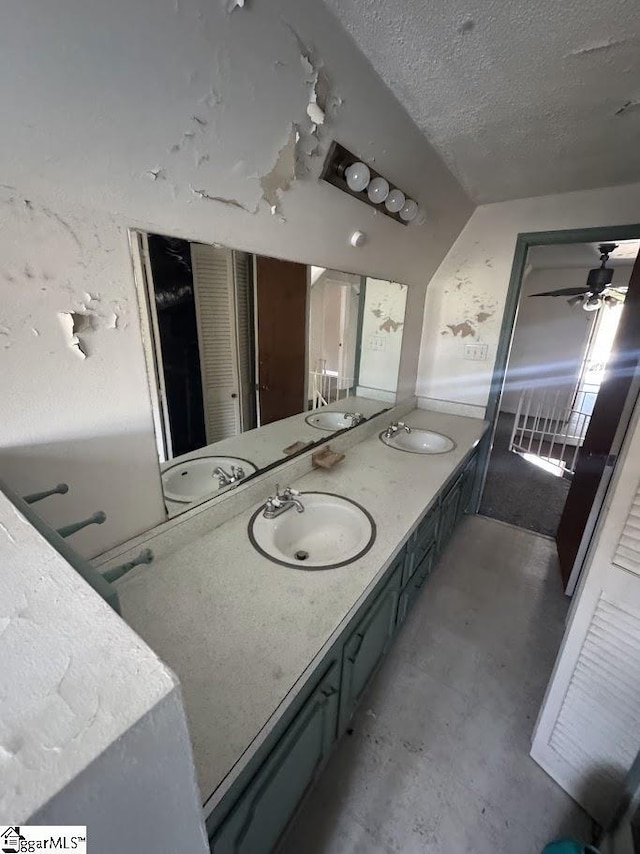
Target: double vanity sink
<point x="325" y="531"/>
<point x="272" y="662"/>
<point x="320" y="530"/>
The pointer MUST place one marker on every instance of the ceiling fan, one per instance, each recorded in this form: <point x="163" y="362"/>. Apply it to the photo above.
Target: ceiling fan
<point x="598" y="290"/>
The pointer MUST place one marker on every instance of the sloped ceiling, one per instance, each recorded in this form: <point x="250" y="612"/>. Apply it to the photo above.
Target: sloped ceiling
<point x="520" y="98"/>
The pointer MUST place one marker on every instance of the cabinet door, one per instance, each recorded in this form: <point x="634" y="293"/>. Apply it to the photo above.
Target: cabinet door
<point x="368" y="644"/>
<point x="263" y="810"/>
<point x="449" y="513"/>
<point x="412" y="591"/>
<point x="468" y="482"/>
<point x="419" y="542"/>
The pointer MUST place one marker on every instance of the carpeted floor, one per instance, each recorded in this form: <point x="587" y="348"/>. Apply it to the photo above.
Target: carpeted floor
<point x="519" y="492"/>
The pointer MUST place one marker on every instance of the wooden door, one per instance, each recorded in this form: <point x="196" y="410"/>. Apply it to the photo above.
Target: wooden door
<point x="609" y="407"/>
<point x="281" y="309"/>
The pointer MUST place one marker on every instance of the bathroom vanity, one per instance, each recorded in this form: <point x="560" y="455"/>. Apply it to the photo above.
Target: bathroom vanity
<point x="273" y="660"/>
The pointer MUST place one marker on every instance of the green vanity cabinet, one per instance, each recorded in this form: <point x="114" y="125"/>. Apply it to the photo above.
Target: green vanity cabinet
<point x="256" y="822"/>
<point x="420" y="541"/>
<point x="414" y="586"/>
<point x="264" y="800"/>
<point x="469" y="476"/>
<point x="449" y="513"/>
<point x="368" y="643"/>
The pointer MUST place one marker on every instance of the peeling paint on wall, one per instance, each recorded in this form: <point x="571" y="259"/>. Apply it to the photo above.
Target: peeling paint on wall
<point x="596" y="47"/>
<point x="464" y="330"/>
<point x="628" y="106"/>
<point x="276" y="182"/>
<point x="233" y="203"/>
<point x="68" y="323"/>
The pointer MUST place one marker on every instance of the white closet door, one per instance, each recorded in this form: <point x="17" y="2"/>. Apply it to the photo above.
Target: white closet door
<point x="215" y="314"/>
<point x="588" y="731"/>
<point x="244" y="338"/>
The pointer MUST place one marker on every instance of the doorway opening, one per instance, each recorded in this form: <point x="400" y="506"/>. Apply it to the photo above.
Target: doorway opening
<point x="563" y="346"/>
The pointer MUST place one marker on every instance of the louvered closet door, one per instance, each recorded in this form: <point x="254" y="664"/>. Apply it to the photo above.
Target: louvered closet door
<point x="213" y="289"/>
<point x="588" y="732"/>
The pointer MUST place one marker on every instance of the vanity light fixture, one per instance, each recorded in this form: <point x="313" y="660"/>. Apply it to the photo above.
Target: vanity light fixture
<point x="345" y="171"/>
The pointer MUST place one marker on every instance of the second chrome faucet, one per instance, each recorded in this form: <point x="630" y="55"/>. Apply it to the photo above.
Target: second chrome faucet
<point x="393" y="428"/>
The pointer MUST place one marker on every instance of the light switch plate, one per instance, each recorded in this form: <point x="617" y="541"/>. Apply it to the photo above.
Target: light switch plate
<point x="475" y="352"/>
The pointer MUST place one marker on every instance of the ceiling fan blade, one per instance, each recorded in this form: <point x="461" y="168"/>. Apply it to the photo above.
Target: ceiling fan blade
<point x="563" y="292"/>
<point x="615" y="295"/>
<point x="575" y="300"/>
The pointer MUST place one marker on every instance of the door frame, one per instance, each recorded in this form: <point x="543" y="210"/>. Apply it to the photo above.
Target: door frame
<point x="524" y="241"/>
<point x="150" y="334"/>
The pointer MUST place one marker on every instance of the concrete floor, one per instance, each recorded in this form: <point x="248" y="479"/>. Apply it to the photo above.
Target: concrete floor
<point x="438" y="759"/>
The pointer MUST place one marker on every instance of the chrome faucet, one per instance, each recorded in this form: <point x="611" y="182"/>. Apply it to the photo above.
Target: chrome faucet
<point x="281" y="502"/>
<point x="356" y="418"/>
<point x="393" y="428"/>
<point x="224" y="478"/>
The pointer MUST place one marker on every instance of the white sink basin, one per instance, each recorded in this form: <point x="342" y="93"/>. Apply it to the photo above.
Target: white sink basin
<point x="419" y="441"/>
<point x="332" y="531"/>
<point x="194" y="479"/>
<point x="329" y="420"/>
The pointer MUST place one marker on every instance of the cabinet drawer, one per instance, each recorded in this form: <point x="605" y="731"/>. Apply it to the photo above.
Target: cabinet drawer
<point x="368" y="644"/>
<point x="260" y="815"/>
<point x="419" y="542"/>
<point x="412" y="591"/>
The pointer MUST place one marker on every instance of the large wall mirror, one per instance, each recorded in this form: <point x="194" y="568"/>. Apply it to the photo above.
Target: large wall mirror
<point x="255" y="359"/>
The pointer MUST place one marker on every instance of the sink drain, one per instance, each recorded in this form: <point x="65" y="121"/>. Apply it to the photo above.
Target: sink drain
<point x="301" y="555"/>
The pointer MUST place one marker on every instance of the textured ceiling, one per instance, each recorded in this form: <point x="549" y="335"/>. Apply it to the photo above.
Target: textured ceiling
<point x="584" y="255"/>
<point x="520" y="98"/>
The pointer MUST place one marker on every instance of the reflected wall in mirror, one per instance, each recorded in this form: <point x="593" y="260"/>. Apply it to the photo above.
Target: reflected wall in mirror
<point x="255" y="359"/>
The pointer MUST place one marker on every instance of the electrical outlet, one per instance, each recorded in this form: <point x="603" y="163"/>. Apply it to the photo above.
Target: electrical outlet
<point x="376" y="342"/>
<point x="475" y="352"/>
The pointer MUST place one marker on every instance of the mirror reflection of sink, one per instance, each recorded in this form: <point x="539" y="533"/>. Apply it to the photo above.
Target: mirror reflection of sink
<point x="329" y="420"/>
<point x="419" y="441"/>
<point x="332" y="531"/>
<point x="194" y="479"/>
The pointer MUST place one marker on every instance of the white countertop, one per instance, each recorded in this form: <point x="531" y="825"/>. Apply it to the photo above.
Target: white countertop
<point x="240" y="631"/>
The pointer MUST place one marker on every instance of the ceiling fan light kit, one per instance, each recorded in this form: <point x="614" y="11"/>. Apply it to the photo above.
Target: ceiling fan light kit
<point x="598" y="290"/>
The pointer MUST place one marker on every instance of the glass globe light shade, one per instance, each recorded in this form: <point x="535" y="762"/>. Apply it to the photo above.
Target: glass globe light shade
<point x="592" y="304"/>
<point x="409" y="210"/>
<point x="357" y="176"/>
<point x="395" y="201"/>
<point x="378" y="190"/>
<point x="420" y="218"/>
